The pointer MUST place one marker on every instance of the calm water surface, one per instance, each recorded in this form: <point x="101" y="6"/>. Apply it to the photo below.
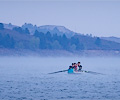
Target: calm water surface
<point x="27" y="78"/>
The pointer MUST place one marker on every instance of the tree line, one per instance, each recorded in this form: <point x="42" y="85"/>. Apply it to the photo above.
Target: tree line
<point x="6" y="41"/>
<point x="48" y="41"/>
<point x="40" y="40"/>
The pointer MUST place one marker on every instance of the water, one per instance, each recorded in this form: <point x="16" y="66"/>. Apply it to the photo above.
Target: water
<point x="27" y="78"/>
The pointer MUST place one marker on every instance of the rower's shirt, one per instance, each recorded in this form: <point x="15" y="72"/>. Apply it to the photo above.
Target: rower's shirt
<point x="80" y="67"/>
<point x="75" y="67"/>
<point x="70" y="70"/>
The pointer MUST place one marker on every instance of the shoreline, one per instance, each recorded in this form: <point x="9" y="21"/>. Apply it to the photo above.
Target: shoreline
<point x="58" y="53"/>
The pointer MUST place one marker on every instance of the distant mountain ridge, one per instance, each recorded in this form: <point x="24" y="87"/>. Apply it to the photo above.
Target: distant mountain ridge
<point x="54" y="29"/>
<point x="115" y="39"/>
<point x="51" y="37"/>
<point x="9" y="26"/>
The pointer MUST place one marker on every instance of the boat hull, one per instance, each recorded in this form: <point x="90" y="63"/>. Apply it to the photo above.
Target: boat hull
<point x="76" y="72"/>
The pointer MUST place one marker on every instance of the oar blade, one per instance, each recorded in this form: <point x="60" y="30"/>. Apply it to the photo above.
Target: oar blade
<point x="58" y="71"/>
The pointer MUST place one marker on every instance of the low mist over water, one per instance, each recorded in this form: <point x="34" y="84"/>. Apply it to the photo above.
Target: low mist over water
<point x="27" y="78"/>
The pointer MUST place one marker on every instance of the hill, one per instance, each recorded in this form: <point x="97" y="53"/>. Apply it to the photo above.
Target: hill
<point x="53" y="29"/>
<point x="115" y="39"/>
<point x="51" y="38"/>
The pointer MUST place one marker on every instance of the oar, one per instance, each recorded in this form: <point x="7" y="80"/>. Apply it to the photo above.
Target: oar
<point x="58" y="71"/>
<point x="92" y="72"/>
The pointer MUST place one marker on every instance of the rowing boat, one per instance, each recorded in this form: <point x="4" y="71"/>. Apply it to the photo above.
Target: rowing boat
<point x="76" y="72"/>
<point x="71" y="71"/>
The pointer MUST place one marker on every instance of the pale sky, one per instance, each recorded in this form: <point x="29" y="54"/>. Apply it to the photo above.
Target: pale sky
<point x="99" y="18"/>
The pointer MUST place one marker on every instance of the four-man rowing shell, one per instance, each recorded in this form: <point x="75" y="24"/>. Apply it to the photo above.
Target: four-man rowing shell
<point x="76" y="72"/>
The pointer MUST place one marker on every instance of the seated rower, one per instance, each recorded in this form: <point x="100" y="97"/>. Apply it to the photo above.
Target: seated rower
<point x="70" y="70"/>
<point x="75" y="66"/>
<point x="80" y="66"/>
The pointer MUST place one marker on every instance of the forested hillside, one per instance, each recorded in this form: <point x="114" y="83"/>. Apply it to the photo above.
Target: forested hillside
<point x="15" y="37"/>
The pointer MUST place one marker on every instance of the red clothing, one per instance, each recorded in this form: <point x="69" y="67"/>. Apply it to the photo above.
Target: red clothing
<point x="75" y="68"/>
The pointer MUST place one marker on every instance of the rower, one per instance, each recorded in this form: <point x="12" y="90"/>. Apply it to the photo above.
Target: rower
<point x="80" y="66"/>
<point x="70" y="70"/>
<point x="75" y="66"/>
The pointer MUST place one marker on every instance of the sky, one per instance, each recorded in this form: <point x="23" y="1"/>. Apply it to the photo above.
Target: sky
<point x="98" y="17"/>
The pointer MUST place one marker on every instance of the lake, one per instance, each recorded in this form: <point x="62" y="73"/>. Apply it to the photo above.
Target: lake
<point x="27" y="78"/>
